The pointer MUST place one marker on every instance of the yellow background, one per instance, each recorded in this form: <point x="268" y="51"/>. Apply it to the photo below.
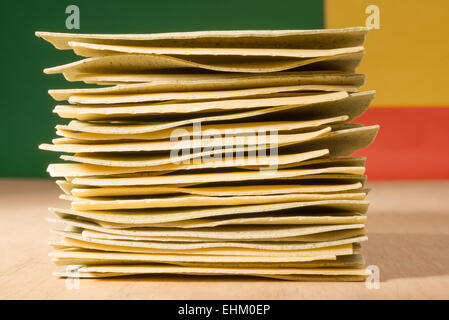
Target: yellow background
<point x="407" y="59"/>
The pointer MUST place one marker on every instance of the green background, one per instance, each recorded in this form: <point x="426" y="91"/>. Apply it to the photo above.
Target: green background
<point x="27" y="119"/>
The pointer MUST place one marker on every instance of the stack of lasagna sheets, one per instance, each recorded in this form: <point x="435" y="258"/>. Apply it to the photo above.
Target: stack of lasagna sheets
<point x="212" y="153"/>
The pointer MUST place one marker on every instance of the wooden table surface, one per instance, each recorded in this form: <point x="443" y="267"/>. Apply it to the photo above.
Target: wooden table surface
<point x="408" y="229"/>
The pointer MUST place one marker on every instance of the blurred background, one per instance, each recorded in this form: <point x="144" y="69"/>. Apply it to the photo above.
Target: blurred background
<point x="407" y="62"/>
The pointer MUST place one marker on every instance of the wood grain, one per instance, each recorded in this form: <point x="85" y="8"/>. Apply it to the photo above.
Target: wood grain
<point x="408" y="227"/>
